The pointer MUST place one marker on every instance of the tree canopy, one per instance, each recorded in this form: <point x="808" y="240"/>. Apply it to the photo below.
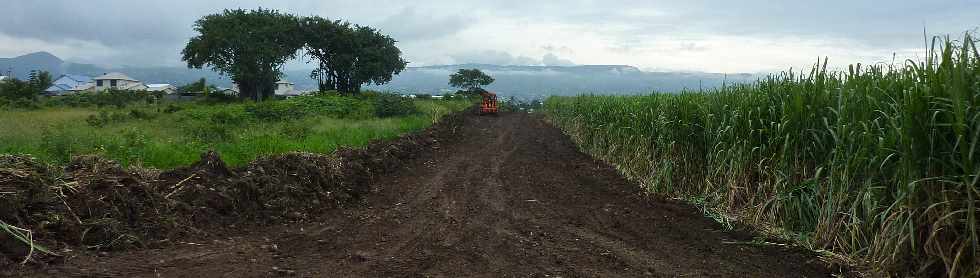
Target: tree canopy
<point x="348" y="55"/>
<point x="40" y="80"/>
<point x="13" y="89"/>
<point x="471" y="80"/>
<point x="249" y="46"/>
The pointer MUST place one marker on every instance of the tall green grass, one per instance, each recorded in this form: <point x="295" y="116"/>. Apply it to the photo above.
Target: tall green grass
<point x="879" y="164"/>
<point x="240" y="132"/>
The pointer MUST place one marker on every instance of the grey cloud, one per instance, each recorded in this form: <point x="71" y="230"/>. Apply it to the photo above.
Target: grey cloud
<point x="885" y="24"/>
<point x="888" y="24"/>
<point x="152" y="32"/>
<point x="111" y="23"/>
<point x="137" y="32"/>
<point x="410" y="24"/>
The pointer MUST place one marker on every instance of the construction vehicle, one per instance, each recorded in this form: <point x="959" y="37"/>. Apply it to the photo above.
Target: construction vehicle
<point x="489" y="103"/>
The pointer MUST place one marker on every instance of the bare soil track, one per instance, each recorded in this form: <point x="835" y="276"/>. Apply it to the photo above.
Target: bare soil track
<point x="508" y="196"/>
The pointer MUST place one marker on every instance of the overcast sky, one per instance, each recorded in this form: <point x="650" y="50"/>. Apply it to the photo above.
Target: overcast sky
<point x="696" y="35"/>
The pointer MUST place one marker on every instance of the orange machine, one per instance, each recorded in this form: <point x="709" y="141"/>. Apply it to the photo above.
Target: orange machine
<point x="489" y="104"/>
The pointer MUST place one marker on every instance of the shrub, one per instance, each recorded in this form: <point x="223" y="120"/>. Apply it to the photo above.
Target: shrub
<point x="218" y="97"/>
<point x="105" y="117"/>
<point x="95" y="120"/>
<point x="57" y="143"/>
<point x="140" y="114"/>
<point x="296" y="129"/>
<point x="14" y="89"/>
<point x="171" y="108"/>
<point x="328" y="93"/>
<point x="270" y="110"/>
<point x="369" y="94"/>
<point x="225" y="117"/>
<point x="391" y="105"/>
<point x="208" y="132"/>
<point x="115" y="98"/>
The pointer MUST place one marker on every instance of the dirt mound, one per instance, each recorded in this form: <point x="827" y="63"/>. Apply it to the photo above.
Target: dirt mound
<point x="92" y="202"/>
<point x="113" y="207"/>
<point x="287" y="186"/>
<point x="25" y="188"/>
<point x="97" y="204"/>
<point x="25" y="201"/>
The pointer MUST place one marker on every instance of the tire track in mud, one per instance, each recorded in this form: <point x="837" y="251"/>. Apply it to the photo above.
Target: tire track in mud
<point x="509" y="196"/>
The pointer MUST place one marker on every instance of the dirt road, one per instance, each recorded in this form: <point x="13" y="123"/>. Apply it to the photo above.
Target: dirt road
<point x="509" y="196"/>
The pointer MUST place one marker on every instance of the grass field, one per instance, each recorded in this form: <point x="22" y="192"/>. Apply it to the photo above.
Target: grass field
<point x="877" y="164"/>
<point x="166" y="135"/>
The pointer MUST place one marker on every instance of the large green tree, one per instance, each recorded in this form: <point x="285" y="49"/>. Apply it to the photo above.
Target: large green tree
<point x="472" y="80"/>
<point x="348" y="55"/>
<point x="250" y="46"/>
<point x="323" y="44"/>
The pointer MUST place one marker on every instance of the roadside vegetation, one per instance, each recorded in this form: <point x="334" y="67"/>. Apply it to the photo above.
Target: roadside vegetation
<point x="171" y="134"/>
<point x="875" y="164"/>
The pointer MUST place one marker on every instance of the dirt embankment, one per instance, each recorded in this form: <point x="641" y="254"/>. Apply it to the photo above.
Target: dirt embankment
<point x="507" y="196"/>
<point x="94" y="204"/>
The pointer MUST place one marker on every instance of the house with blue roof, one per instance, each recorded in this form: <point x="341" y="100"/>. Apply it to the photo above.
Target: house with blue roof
<point x="70" y="84"/>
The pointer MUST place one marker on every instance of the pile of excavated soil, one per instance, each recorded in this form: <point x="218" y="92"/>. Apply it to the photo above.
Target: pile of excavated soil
<point x="94" y="203"/>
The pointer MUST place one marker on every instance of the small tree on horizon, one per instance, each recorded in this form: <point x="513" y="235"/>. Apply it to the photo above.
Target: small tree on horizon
<point x="470" y="80"/>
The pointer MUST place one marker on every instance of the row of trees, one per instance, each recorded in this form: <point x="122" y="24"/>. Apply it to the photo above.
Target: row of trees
<point x="17" y="90"/>
<point x="251" y="47"/>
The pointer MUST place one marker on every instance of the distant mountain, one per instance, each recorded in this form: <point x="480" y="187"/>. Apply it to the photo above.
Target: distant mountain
<point x="520" y="81"/>
<point x="540" y="81"/>
<point x="21" y="66"/>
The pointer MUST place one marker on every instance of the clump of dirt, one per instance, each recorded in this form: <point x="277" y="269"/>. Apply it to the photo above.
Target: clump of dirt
<point x="25" y="189"/>
<point x="92" y="202"/>
<point x="26" y="200"/>
<point x="283" y="186"/>
<point x="200" y="192"/>
<point x="97" y="204"/>
<point x="111" y="207"/>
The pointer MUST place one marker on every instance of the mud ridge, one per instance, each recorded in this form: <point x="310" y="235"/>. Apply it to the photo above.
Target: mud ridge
<point x="95" y="204"/>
